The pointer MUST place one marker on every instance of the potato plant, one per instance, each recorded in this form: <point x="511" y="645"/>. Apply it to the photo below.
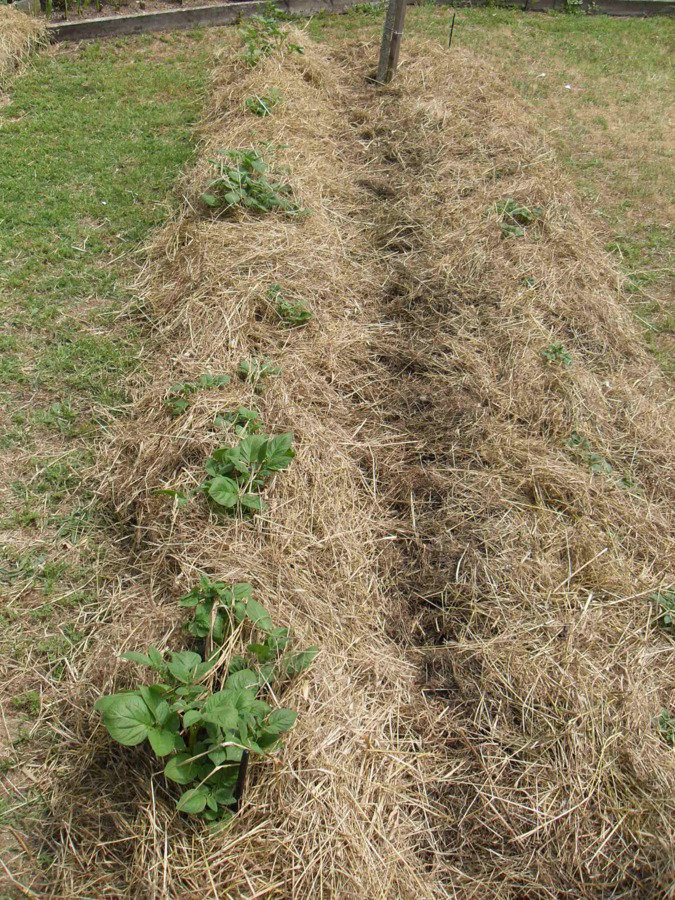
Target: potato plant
<point x="177" y="398"/>
<point x="242" y="180"/>
<point x="238" y="474"/>
<point x="201" y="721"/>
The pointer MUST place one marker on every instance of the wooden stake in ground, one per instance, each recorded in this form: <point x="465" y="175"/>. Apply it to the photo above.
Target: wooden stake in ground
<point x="391" y="40"/>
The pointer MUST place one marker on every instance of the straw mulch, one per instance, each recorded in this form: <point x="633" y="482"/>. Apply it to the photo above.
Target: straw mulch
<point x="480" y="721"/>
<point x="20" y="35"/>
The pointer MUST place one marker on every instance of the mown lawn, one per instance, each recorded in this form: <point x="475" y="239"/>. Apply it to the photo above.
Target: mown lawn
<point x="602" y="89"/>
<point x="92" y="140"/>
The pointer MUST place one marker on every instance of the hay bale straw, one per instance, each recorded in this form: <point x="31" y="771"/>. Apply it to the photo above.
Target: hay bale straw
<point x="480" y="719"/>
<point x="20" y="35"/>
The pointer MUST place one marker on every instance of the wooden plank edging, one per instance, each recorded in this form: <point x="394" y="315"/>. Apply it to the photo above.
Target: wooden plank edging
<point x="229" y="13"/>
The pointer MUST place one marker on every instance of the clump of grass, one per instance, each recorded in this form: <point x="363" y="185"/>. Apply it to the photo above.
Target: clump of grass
<point x="27" y="702"/>
<point x="262" y="105"/>
<point x="242" y="181"/>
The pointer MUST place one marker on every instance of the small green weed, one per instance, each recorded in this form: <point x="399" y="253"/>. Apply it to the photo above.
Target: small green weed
<point x="262" y="104"/>
<point x="238" y="474"/>
<point x="556" y="353"/>
<point x="28" y="702"/>
<point x="241" y="182"/>
<point x="665" y="608"/>
<point x="177" y="401"/>
<point x="666" y="727"/>
<point x="292" y="313"/>
<point x="516" y="217"/>
<point x="262" y="35"/>
<point x="257" y="371"/>
<point x="205" y="721"/>
<point x="596" y="461"/>
<point x="245" y="421"/>
<point x="58" y="417"/>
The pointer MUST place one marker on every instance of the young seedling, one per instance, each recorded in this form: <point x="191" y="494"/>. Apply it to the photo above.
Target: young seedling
<point x="262" y="35"/>
<point x="292" y="313"/>
<point x="666" y="726"/>
<point x="245" y="421"/>
<point x="516" y="217"/>
<point x="238" y="474"/>
<point x="665" y="609"/>
<point x="596" y="461"/>
<point x="202" y="713"/>
<point x="177" y="399"/>
<point x="241" y="181"/>
<point x="256" y="371"/>
<point x="263" y="104"/>
<point x="556" y="353"/>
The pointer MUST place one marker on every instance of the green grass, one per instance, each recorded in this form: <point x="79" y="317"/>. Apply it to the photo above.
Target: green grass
<point x="92" y="142"/>
<point x="610" y="129"/>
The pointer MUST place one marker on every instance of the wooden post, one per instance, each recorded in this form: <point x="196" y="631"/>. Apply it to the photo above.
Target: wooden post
<point x="391" y="41"/>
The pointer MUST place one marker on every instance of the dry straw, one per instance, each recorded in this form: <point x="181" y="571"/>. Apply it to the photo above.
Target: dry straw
<point x="20" y="34"/>
<point x="480" y="720"/>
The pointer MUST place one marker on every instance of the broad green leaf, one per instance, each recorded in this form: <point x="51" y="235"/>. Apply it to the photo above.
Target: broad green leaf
<point x="220" y="710"/>
<point x="141" y="658"/>
<point x="152" y="694"/>
<point x="252" y="501"/>
<point x="191" y="717"/>
<point x="283" y="719"/>
<point x="156" y="659"/>
<point x="127" y="718"/>
<point x="242" y="590"/>
<point x="298" y="662"/>
<point x="193" y="801"/>
<point x="246" y="678"/>
<point x="224" y="491"/>
<point x="184" y="665"/>
<point x="259" y="616"/>
<point x="181" y="769"/>
<point x="162" y="741"/>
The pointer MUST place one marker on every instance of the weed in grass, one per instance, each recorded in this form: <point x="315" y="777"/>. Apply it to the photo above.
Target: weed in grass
<point x="241" y="182"/>
<point x="262" y="35"/>
<point x="556" y="353"/>
<point x="177" y="401"/>
<point x="292" y="313"/>
<point x="28" y="702"/>
<point x="238" y="474"/>
<point x="262" y="104"/>
<point x="665" y="609"/>
<point x="204" y="720"/>
<point x="256" y="371"/>
<point x="244" y="420"/>
<point x="57" y="417"/>
<point x="516" y="217"/>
